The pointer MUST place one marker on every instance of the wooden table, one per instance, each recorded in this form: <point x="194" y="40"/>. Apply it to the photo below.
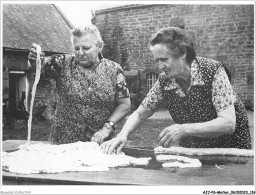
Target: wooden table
<point x="215" y="170"/>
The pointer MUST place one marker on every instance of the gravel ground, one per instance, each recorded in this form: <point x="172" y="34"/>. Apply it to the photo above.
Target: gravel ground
<point x="161" y="114"/>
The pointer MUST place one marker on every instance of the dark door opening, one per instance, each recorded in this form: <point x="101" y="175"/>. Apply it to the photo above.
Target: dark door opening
<point x="17" y="88"/>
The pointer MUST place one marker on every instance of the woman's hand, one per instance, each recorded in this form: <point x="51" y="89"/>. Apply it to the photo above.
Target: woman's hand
<point x="101" y="135"/>
<point x="114" y="145"/>
<point x="33" y="55"/>
<point x="171" y="135"/>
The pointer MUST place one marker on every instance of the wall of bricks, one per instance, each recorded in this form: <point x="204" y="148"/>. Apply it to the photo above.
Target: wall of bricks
<point x="221" y="32"/>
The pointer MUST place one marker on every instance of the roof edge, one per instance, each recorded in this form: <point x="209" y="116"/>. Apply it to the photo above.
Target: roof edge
<point x="102" y="11"/>
<point x="71" y="26"/>
<point x="10" y="49"/>
<point x="15" y="49"/>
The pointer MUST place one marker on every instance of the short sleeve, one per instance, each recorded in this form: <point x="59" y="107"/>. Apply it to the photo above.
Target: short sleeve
<point x="223" y="95"/>
<point x="121" y="85"/>
<point x="153" y="98"/>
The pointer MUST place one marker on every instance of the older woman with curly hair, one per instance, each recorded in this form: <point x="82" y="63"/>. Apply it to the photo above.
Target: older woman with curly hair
<point x="92" y="92"/>
<point x="197" y="91"/>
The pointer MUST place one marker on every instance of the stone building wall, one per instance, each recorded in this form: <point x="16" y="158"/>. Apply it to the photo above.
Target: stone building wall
<point x="221" y="32"/>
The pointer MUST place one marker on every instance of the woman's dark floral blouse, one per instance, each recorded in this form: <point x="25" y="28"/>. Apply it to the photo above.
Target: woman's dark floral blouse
<point x="210" y="92"/>
<point x="86" y="98"/>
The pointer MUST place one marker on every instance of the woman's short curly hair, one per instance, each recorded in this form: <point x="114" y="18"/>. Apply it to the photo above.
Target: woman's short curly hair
<point x="91" y="29"/>
<point x="176" y="39"/>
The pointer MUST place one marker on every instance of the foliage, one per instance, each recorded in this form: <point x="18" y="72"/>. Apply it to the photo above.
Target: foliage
<point x="115" y="47"/>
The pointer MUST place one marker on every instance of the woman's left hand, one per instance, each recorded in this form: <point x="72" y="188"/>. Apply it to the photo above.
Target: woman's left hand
<point x="101" y="135"/>
<point x="171" y="135"/>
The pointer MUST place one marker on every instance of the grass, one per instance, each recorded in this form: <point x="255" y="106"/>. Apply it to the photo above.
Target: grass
<point x="147" y="133"/>
<point x="145" y="136"/>
<point x="18" y="130"/>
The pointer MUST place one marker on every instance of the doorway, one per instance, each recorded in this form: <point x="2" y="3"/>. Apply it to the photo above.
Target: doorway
<point x="17" y="87"/>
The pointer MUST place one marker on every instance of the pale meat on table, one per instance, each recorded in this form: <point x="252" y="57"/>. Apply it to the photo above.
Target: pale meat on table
<point x="205" y="151"/>
<point x="79" y="156"/>
<point x="178" y="161"/>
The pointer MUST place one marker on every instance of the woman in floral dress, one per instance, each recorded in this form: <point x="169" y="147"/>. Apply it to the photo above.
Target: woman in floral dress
<point x="197" y="91"/>
<point x="92" y="92"/>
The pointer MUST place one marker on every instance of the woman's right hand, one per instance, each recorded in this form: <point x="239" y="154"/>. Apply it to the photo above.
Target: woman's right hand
<point x="114" y="145"/>
<point x="33" y="55"/>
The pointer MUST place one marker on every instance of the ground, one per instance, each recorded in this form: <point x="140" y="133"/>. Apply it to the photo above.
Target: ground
<point x="145" y="136"/>
<point x="41" y="129"/>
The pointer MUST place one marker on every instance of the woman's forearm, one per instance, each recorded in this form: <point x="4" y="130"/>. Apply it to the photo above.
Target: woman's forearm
<point x="121" y="111"/>
<point x="134" y="120"/>
<point x="130" y="125"/>
<point x="209" y="129"/>
<point x="225" y="123"/>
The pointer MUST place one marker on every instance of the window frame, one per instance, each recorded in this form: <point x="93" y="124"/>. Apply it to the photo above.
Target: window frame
<point x="151" y="78"/>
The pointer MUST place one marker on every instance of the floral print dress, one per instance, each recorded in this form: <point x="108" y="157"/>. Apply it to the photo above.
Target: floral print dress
<point x="210" y="92"/>
<point x="86" y="98"/>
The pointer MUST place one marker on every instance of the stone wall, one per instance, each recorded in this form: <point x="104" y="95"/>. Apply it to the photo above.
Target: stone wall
<point x="221" y="32"/>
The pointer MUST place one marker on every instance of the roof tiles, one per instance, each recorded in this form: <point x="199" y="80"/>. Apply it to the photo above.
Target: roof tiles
<point x="44" y="24"/>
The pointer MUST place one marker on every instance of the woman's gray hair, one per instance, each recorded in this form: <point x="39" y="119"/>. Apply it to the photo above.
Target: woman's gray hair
<point x="178" y="40"/>
<point x="87" y="29"/>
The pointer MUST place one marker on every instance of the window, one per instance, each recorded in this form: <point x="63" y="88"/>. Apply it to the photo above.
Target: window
<point x="151" y="79"/>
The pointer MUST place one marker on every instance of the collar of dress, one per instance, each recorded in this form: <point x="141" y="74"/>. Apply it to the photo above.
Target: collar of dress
<point x="196" y="79"/>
